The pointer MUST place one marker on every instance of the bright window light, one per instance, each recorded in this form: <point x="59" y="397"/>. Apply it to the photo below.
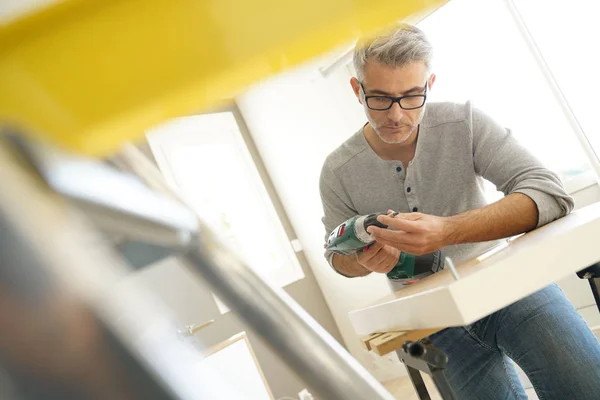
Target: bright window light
<point x="206" y="159"/>
<point x="479" y="55"/>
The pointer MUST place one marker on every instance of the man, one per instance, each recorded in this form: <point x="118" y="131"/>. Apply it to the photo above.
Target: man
<point x="427" y="161"/>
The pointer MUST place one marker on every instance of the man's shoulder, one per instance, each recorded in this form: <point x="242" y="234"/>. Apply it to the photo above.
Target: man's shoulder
<point x="441" y="113"/>
<point x="345" y="152"/>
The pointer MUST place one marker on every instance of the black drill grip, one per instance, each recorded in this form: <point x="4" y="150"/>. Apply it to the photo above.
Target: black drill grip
<point x="371" y="220"/>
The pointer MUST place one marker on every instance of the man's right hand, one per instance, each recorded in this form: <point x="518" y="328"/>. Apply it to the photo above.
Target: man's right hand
<point x="379" y="258"/>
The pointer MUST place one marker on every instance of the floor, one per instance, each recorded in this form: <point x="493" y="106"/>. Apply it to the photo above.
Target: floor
<point x="402" y="388"/>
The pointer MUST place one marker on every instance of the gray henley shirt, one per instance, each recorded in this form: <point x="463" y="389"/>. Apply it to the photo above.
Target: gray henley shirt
<point x="458" y="146"/>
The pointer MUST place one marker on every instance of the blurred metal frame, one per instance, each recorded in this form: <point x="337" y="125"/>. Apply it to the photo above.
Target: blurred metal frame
<point x="57" y="232"/>
<point x="61" y="336"/>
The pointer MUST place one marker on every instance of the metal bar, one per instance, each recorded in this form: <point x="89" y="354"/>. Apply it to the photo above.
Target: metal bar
<point x="302" y="343"/>
<point x="442" y="384"/>
<point x="62" y="264"/>
<point x="555" y="88"/>
<point x="299" y="340"/>
<point x="117" y="202"/>
<point x="424" y="357"/>
<point x="595" y="290"/>
<point x="418" y="383"/>
<point x="452" y="268"/>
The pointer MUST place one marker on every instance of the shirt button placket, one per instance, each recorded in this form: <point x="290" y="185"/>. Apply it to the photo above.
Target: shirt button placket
<point x="401" y="175"/>
<point x="410" y="196"/>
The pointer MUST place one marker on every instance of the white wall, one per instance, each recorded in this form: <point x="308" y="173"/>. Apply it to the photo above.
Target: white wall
<point x="296" y="120"/>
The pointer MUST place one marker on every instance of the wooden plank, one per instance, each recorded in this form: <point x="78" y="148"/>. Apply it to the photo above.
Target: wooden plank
<point x="366" y="340"/>
<point x="392" y="341"/>
<point x="490" y="282"/>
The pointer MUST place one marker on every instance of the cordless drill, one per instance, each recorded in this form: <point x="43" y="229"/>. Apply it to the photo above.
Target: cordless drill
<point x="351" y="237"/>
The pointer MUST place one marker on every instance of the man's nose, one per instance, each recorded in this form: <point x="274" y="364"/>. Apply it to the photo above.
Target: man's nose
<point x="395" y="113"/>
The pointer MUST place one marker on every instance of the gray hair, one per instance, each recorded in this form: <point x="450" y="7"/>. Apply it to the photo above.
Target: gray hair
<point x="396" y="47"/>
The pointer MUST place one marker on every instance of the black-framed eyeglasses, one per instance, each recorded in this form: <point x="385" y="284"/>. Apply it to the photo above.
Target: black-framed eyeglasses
<point x="382" y="103"/>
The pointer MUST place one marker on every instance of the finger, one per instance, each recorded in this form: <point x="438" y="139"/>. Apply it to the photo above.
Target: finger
<point x="375" y="230"/>
<point x="405" y="247"/>
<point x="378" y="260"/>
<point x="372" y="251"/>
<point x="398" y="237"/>
<point x="413" y="216"/>
<point x="372" y="248"/>
<point x="407" y="224"/>
<point x="387" y="264"/>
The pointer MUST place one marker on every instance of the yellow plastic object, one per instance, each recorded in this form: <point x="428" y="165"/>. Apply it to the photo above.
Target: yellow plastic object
<point x="91" y="74"/>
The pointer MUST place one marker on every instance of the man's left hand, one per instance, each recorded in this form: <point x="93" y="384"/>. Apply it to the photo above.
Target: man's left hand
<point x="414" y="233"/>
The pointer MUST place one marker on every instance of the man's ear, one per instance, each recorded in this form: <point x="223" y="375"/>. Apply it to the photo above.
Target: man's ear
<point x="356" y="89"/>
<point x="431" y="81"/>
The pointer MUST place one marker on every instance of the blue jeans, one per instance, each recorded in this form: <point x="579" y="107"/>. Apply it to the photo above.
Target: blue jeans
<point x="542" y="333"/>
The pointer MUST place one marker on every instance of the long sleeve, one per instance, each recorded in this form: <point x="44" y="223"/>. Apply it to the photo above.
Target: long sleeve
<point x="337" y="206"/>
<point x="499" y="158"/>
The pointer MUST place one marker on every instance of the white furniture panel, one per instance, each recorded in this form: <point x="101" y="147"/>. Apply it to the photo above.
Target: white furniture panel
<point x="491" y="281"/>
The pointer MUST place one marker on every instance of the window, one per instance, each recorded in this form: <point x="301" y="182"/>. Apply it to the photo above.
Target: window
<point x="565" y="35"/>
<point x="479" y="54"/>
<point x="206" y="159"/>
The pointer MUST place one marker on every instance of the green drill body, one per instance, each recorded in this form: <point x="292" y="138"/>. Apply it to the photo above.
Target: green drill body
<point x="351" y="237"/>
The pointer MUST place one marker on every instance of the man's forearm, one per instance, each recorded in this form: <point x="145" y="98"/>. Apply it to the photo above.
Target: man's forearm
<point x="348" y="266"/>
<point x="512" y="215"/>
